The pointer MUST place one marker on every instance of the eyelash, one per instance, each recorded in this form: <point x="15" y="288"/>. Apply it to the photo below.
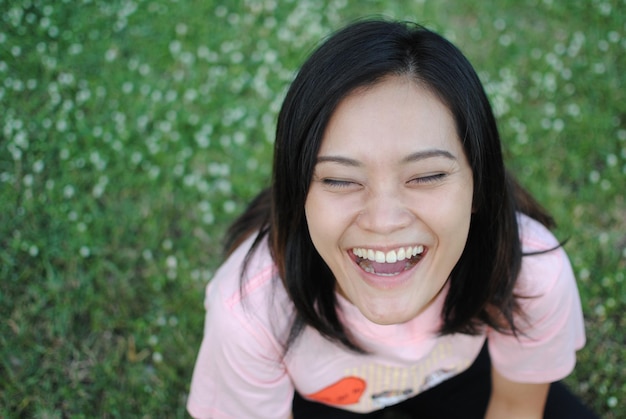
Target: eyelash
<point x="425" y="180"/>
<point x="334" y="183"/>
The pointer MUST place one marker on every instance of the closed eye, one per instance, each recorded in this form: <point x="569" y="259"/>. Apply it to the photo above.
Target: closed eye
<point x="338" y="184"/>
<point x="430" y="179"/>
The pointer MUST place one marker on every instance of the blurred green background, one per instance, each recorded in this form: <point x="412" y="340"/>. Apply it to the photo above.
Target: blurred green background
<point x="132" y="132"/>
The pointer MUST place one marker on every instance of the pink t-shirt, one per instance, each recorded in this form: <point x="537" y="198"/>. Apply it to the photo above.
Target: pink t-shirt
<point x="242" y="372"/>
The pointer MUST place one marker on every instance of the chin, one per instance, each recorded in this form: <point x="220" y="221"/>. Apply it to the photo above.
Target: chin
<point x="390" y="316"/>
<point x="388" y="321"/>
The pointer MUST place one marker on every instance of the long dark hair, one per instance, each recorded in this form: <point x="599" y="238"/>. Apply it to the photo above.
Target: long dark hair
<point x="363" y="54"/>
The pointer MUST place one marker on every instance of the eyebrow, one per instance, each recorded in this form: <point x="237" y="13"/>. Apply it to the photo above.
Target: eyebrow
<point x="413" y="157"/>
<point x="427" y="154"/>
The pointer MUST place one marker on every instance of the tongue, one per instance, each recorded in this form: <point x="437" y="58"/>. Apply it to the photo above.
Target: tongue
<point x="383" y="268"/>
<point x="389" y="268"/>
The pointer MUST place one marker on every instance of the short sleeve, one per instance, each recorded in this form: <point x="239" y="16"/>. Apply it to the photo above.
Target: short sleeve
<point x="239" y="371"/>
<point x="553" y="328"/>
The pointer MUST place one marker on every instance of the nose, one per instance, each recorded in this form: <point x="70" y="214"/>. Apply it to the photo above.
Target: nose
<point x="384" y="212"/>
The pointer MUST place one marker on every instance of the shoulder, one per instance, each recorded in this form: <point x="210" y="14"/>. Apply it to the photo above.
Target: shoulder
<point x="546" y="280"/>
<point x="535" y="237"/>
<point x="544" y="263"/>
<point x="242" y="274"/>
<point x="239" y="371"/>
<point x="246" y="295"/>
<point x="551" y="324"/>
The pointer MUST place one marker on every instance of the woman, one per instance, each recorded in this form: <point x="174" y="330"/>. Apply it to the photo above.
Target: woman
<point x="393" y="267"/>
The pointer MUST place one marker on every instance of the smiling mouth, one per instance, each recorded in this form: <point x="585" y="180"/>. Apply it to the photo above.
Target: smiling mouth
<point x="390" y="263"/>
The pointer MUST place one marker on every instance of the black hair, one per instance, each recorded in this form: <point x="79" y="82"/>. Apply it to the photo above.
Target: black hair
<point x="363" y="54"/>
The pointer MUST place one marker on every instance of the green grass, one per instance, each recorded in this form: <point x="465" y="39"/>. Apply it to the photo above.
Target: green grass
<point x="132" y="132"/>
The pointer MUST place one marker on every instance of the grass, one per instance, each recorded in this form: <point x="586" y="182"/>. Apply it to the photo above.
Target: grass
<point x="132" y="132"/>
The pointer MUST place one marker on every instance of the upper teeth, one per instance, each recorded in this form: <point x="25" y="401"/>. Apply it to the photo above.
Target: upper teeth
<point x="391" y="256"/>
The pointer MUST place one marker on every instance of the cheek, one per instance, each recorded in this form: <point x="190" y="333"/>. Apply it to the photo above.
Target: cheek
<point x="318" y="223"/>
<point x="325" y="210"/>
<point x="327" y="221"/>
<point x="459" y="224"/>
<point x="450" y="218"/>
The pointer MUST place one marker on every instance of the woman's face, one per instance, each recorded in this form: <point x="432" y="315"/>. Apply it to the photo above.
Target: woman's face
<point x="390" y="201"/>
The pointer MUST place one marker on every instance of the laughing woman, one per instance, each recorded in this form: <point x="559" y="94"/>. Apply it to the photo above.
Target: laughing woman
<point x="393" y="268"/>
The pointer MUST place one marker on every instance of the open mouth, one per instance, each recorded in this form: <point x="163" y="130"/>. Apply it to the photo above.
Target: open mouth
<point x="390" y="263"/>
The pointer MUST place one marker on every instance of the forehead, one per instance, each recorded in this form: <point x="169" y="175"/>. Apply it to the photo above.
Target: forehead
<point x="394" y="115"/>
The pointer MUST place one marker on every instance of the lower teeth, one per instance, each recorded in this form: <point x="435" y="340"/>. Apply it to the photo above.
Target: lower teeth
<point x="367" y="268"/>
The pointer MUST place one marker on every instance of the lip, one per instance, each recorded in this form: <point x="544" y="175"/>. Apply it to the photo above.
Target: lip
<point x="386" y="282"/>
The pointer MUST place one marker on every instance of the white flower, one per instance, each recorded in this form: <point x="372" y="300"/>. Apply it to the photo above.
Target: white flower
<point x="33" y="250"/>
<point x="175" y="47"/>
<point x="127" y="87"/>
<point x="68" y="191"/>
<point x="171" y="262"/>
<point x="28" y="180"/>
<point x="111" y="54"/>
<point x="230" y="207"/>
<point x="611" y="160"/>
<point x="75" y="49"/>
<point x="181" y="29"/>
